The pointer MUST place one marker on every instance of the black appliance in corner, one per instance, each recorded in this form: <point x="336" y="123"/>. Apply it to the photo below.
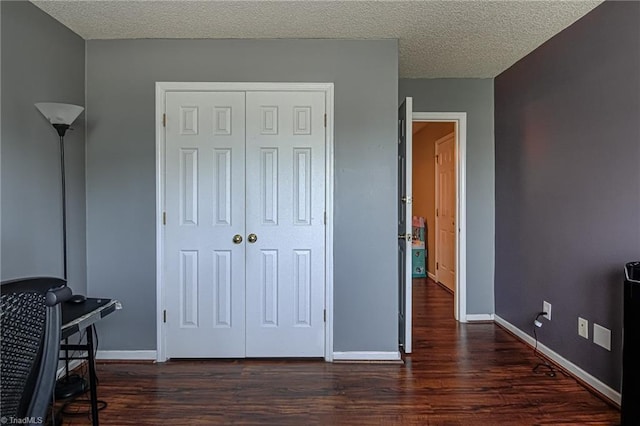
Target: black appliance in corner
<point x="631" y="346"/>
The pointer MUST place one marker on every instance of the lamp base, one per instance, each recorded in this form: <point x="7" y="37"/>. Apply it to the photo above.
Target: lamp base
<point x="70" y="386"/>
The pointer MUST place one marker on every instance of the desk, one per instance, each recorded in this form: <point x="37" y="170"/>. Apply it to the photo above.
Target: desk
<point x="82" y="316"/>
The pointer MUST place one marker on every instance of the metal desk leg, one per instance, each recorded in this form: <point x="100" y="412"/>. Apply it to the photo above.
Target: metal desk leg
<point x="92" y="377"/>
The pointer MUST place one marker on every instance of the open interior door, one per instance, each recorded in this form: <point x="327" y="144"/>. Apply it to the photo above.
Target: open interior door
<point x="405" y="124"/>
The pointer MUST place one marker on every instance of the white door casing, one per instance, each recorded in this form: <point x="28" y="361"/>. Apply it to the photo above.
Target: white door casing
<point x="306" y="177"/>
<point x="446" y="211"/>
<point x="405" y="158"/>
<point x="285" y="212"/>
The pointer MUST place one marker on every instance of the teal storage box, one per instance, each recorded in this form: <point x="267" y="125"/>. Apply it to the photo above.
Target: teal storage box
<point x="418" y="252"/>
<point x="418" y="264"/>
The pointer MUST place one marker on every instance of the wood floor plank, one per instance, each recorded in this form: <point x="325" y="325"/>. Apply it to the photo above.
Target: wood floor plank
<point x="459" y="374"/>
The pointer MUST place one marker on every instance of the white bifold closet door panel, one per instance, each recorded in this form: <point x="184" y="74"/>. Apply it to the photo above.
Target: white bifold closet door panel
<point x="249" y="165"/>
<point x="205" y="208"/>
<point x="285" y="203"/>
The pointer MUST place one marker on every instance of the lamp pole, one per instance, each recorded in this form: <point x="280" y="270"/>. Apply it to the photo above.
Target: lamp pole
<point x="62" y="128"/>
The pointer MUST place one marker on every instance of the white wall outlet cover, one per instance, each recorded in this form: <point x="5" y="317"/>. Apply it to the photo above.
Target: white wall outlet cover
<point x="546" y="307"/>
<point x="602" y="336"/>
<point x="583" y="327"/>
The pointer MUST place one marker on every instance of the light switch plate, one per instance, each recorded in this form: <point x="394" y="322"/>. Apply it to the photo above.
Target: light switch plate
<point x="602" y="336"/>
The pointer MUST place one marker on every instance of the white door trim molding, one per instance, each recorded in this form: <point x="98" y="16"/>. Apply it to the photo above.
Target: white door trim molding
<point x="161" y="89"/>
<point x="460" y="121"/>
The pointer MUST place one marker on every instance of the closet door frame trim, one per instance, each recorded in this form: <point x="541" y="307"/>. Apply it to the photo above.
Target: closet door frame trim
<point x="161" y="90"/>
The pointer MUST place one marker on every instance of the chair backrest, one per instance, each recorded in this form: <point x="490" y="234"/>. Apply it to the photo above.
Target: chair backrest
<point x="30" y="321"/>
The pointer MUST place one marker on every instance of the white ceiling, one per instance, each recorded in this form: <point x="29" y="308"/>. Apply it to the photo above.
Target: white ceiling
<point x="437" y="38"/>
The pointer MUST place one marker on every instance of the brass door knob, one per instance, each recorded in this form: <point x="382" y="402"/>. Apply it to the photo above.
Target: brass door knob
<point x="252" y="238"/>
<point x="237" y="239"/>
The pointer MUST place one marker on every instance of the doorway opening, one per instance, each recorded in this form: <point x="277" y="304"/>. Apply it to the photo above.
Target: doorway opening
<point x="438" y="207"/>
<point x="433" y="242"/>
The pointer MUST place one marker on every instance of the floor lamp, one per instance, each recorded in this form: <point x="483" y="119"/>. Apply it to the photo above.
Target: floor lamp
<point x="61" y="116"/>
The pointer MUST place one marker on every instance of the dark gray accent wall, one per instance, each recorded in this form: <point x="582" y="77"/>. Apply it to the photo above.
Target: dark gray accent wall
<point x="568" y="183"/>
<point x="42" y="61"/>
<point x="121" y="78"/>
<point x="475" y="97"/>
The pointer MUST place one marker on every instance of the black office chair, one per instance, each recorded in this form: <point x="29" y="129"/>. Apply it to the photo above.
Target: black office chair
<point x="30" y="321"/>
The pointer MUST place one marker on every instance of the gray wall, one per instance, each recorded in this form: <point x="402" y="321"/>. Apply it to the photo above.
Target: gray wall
<point x="475" y="97"/>
<point x="568" y="183"/>
<point x="41" y="61"/>
<point x="121" y="78"/>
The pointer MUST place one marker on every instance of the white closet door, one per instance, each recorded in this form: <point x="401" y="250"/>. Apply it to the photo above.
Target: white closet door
<point x="285" y="205"/>
<point x="205" y="158"/>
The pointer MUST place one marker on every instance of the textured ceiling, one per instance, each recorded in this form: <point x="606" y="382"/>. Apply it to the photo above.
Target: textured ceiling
<point x="442" y="38"/>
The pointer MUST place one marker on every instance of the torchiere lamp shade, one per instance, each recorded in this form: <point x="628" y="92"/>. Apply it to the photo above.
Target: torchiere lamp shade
<point x="58" y="113"/>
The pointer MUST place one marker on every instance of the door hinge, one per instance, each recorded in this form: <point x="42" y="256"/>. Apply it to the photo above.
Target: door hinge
<point x="437" y="265"/>
<point x="164" y="316"/>
<point x="324" y="315"/>
<point x="164" y="218"/>
<point x="164" y="120"/>
<point x="407" y="200"/>
<point x="325" y="218"/>
<point x="325" y="120"/>
<point x="436" y="212"/>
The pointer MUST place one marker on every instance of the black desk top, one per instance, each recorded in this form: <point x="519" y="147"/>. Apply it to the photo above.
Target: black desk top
<point x="77" y="316"/>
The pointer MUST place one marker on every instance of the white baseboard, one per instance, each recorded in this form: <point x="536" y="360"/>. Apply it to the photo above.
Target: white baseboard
<point x="127" y="355"/>
<point x="479" y="317"/>
<point x="604" y="389"/>
<point x="432" y="276"/>
<point x="366" y="356"/>
<point x="62" y="370"/>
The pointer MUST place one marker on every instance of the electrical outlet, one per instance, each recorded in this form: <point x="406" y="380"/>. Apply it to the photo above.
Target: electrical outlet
<point x="546" y="307"/>
<point x="583" y="327"/>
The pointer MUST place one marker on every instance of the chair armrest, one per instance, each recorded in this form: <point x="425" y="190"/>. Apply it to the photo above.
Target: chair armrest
<point x="57" y="295"/>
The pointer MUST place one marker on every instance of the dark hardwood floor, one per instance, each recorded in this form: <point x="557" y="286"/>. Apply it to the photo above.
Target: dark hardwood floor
<point x="459" y="374"/>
